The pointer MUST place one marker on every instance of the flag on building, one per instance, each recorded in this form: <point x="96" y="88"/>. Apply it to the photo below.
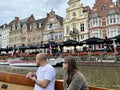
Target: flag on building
<point x="50" y="49"/>
<point x="12" y="52"/>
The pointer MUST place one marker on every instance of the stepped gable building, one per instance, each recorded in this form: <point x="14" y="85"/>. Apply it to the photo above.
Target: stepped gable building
<point x="53" y="28"/>
<point x="15" y="33"/>
<point x="76" y="21"/>
<point x="43" y="30"/>
<point x="104" y="19"/>
<point x="31" y="31"/>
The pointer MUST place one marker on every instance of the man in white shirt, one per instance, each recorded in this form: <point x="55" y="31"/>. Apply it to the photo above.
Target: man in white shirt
<point x="44" y="78"/>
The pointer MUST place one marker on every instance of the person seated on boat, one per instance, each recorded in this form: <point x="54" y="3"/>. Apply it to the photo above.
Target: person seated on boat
<point x="44" y="78"/>
<point x="73" y="79"/>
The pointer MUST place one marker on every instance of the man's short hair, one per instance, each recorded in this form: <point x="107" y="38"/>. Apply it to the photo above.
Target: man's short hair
<point x="41" y="56"/>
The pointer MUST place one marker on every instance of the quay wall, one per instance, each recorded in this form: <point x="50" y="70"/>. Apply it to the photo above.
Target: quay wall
<point x="107" y="64"/>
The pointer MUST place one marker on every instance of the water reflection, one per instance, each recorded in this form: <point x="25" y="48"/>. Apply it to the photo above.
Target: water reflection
<point x="103" y="76"/>
<point x="19" y="70"/>
<point x="108" y="77"/>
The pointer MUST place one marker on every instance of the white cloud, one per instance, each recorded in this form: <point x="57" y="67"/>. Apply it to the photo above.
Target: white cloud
<point x="39" y="8"/>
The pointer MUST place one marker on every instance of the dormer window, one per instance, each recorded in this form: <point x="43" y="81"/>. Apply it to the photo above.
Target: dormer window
<point x="30" y="26"/>
<point x="39" y="25"/>
<point x="4" y="26"/>
<point x="52" y="20"/>
<point x="103" y="7"/>
<point x="16" y="27"/>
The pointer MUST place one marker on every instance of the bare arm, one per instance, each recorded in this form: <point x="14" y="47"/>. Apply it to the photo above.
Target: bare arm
<point x="44" y="83"/>
<point x="31" y="74"/>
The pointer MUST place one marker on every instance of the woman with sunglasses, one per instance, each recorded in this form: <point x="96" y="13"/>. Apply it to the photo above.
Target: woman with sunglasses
<point x="73" y="79"/>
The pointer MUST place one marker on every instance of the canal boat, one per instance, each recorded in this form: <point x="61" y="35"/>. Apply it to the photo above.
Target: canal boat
<point x="32" y="63"/>
<point x="12" y="81"/>
<point x="8" y="61"/>
<point x="22" y="63"/>
<point x="4" y="62"/>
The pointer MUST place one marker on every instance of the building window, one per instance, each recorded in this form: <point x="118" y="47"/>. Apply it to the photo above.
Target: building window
<point x="46" y="37"/>
<point x="55" y="26"/>
<point x="29" y="26"/>
<point x="67" y="16"/>
<point x="103" y="7"/>
<point x="96" y="33"/>
<point x="16" y="27"/>
<point x="39" y="25"/>
<point x="118" y="31"/>
<point x="74" y="27"/>
<point x="74" y="14"/>
<point x="67" y="30"/>
<point x="82" y="36"/>
<point x="52" y="26"/>
<point x="80" y="14"/>
<point x="82" y="27"/>
<point x="56" y="36"/>
<point x="95" y="22"/>
<point x="113" y="32"/>
<point x="112" y="19"/>
<point x="52" y="20"/>
<point x="4" y="26"/>
<point x="60" y="36"/>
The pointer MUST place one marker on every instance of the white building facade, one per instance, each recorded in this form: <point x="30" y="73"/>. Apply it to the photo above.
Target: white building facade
<point x="5" y="36"/>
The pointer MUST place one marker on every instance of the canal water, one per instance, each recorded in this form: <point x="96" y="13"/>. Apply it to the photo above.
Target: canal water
<point x="108" y="77"/>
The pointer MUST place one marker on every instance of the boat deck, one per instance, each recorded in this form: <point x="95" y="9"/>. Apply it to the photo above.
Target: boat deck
<point x="20" y="82"/>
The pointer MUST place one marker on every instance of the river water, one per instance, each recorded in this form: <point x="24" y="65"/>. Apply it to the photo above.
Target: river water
<point x="108" y="77"/>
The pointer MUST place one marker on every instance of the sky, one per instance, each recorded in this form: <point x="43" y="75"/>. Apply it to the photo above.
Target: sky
<point x="9" y="9"/>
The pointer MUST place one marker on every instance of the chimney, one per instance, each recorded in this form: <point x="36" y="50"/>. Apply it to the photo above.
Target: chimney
<point x="16" y="19"/>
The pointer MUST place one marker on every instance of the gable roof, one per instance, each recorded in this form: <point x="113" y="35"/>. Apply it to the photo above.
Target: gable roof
<point x="60" y="19"/>
<point x="2" y="26"/>
<point x="41" y="20"/>
<point x="23" y="21"/>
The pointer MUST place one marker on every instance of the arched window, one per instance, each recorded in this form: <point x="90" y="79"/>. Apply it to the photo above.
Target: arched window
<point x="103" y="7"/>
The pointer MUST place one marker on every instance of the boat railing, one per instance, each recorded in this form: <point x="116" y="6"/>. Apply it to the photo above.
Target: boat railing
<point x="22" y="80"/>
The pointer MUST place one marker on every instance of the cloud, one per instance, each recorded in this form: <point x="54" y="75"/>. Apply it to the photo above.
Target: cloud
<point x="24" y="8"/>
<point x="54" y="3"/>
<point x="39" y="8"/>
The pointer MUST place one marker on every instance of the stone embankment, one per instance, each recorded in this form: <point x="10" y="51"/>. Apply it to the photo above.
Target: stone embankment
<point x="87" y="63"/>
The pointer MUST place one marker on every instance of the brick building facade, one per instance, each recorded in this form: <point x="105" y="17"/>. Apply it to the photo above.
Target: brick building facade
<point x="104" y="19"/>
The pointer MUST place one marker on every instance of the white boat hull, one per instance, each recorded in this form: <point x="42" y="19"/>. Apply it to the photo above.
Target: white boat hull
<point x="24" y="64"/>
<point x="4" y="63"/>
<point x="52" y="61"/>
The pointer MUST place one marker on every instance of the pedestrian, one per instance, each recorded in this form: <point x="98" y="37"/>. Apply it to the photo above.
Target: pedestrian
<point x="73" y="79"/>
<point x="44" y="77"/>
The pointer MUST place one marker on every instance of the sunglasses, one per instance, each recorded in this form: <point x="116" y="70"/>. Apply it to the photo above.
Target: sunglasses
<point x="64" y="62"/>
